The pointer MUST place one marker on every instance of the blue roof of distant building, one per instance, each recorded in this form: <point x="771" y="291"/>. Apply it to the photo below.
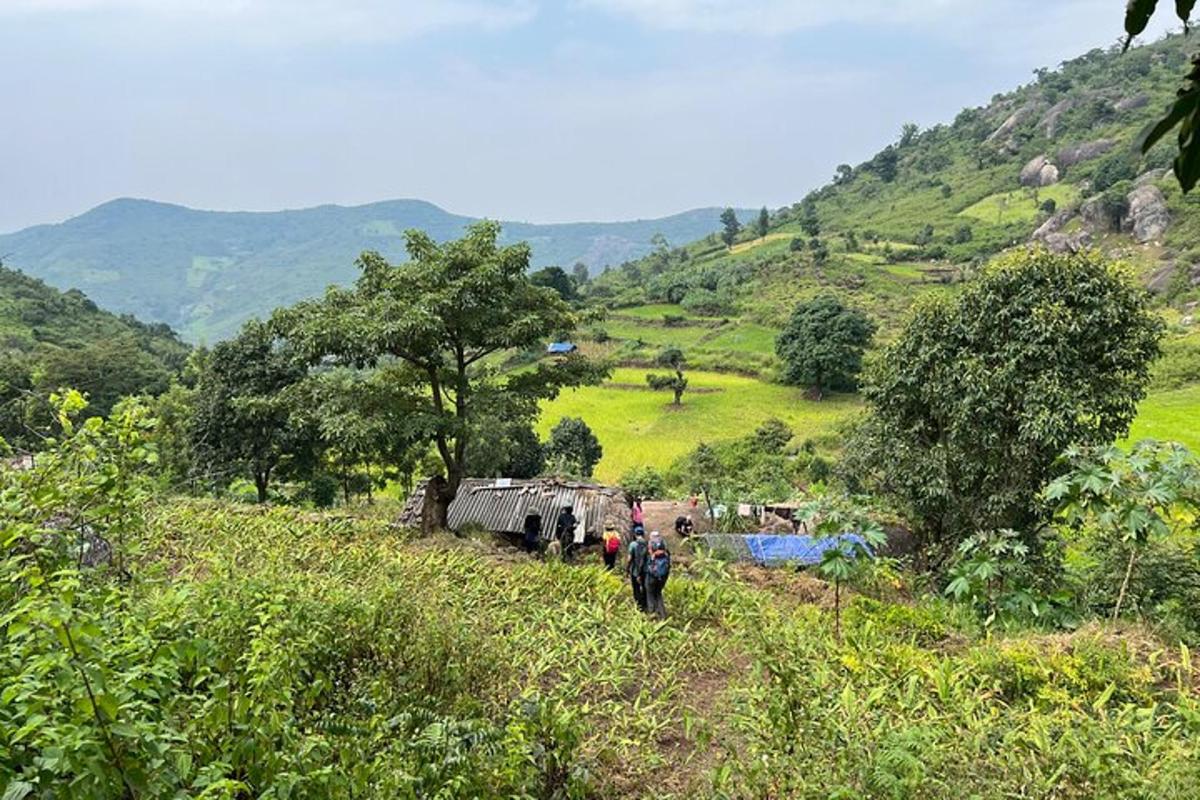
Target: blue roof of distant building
<point x="560" y="347"/>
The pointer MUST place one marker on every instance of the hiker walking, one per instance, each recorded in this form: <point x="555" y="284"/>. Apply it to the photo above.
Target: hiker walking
<point x="636" y="569"/>
<point x="612" y="546"/>
<point x="532" y="533"/>
<point x="639" y="516"/>
<point x="564" y="531"/>
<point x="658" y="569"/>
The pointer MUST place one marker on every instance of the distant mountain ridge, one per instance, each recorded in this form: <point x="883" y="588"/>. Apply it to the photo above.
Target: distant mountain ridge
<point x="206" y="272"/>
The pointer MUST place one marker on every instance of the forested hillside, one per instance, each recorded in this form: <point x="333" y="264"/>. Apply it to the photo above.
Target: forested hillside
<point x="51" y="339"/>
<point x="1053" y="161"/>
<point x="206" y="272"/>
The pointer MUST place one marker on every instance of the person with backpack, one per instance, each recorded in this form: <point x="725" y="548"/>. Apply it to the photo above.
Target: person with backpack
<point x="658" y="569"/>
<point x="612" y="546"/>
<point x="636" y="569"/>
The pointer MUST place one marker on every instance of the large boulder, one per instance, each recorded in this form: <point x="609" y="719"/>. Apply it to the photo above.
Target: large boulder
<point x="1132" y="102"/>
<point x="1069" y="156"/>
<point x="1049" y="122"/>
<point x="1011" y="123"/>
<point x="1149" y="176"/>
<point x="1052" y="225"/>
<point x="1098" y="216"/>
<point x="1039" y="172"/>
<point x="1068" y="242"/>
<point x="1148" y="217"/>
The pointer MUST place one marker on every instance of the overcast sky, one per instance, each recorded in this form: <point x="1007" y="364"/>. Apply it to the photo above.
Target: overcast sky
<point x="515" y="109"/>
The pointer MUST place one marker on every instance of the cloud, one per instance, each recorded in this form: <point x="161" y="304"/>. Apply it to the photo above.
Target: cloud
<point x="291" y="21"/>
<point x="1000" y="23"/>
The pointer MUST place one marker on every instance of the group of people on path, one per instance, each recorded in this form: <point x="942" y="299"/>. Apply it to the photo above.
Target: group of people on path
<point x="648" y="565"/>
<point x="649" y="561"/>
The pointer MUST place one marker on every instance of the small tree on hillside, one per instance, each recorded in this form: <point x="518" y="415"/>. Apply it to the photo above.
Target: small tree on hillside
<point x="971" y="405"/>
<point x="555" y="278"/>
<point x="573" y="448"/>
<point x="822" y="345"/>
<point x="579" y="274"/>
<point x="243" y="419"/>
<point x="731" y="227"/>
<point x="671" y="357"/>
<point x="764" y="223"/>
<point x="808" y="220"/>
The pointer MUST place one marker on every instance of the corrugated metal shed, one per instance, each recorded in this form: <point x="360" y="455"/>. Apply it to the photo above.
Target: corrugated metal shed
<point x="501" y="505"/>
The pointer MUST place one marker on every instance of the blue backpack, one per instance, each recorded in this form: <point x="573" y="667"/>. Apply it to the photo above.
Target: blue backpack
<point x="658" y="566"/>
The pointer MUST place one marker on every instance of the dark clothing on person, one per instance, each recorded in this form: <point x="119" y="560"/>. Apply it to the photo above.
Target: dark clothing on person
<point x="636" y="569"/>
<point x="533" y="533"/>
<point x="654" y="597"/>
<point x="684" y="526"/>
<point x="658" y="569"/>
<point x="610" y="561"/>
<point x="564" y="531"/>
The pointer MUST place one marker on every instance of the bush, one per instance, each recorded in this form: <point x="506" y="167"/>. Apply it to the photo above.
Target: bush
<point x="645" y="482"/>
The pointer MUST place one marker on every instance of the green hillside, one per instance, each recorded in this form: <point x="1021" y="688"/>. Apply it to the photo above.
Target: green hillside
<point x="1051" y="161"/>
<point x="206" y="272"/>
<point x="50" y="339"/>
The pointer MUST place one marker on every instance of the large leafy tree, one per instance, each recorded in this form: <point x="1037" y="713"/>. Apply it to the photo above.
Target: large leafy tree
<point x="573" y="447"/>
<point x="822" y="345"/>
<point x="243" y="420"/>
<point x="442" y="315"/>
<point x="971" y="405"/>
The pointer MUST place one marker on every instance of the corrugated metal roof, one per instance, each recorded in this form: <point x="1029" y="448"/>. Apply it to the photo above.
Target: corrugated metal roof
<point x="501" y="505"/>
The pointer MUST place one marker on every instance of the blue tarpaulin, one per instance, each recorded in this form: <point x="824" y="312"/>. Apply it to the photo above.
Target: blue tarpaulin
<point x="773" y="549"/>
<point x="560" y="347"/>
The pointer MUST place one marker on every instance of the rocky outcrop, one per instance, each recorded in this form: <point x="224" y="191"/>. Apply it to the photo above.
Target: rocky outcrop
<point x="1148" y="217"/>
<point x="1039" y="172"/>
<point x="1130" y="103"/>
<point x="1098" y="216"/>
<point x="1002" y="136"/>
<point x="1052" y="225"/>
<point x="1069" y="156"/>
<point x="1068" y="242"/>
<point x="1049" y="121"/>
<point x="1149" y="176"/>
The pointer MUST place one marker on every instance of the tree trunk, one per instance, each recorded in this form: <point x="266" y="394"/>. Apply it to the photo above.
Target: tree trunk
<point x="435" y="512"/>
<point x="261" y="479"/>
<point x="1124" y="584"/>
<point x="679" y="397"/>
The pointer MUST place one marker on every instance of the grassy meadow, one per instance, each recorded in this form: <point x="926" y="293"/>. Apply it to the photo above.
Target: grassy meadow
<point x="1173" y="415"/>
<point x="639" y="427"/>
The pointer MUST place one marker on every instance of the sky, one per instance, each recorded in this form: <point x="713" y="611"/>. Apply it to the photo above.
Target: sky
<point x="527" y="110"/>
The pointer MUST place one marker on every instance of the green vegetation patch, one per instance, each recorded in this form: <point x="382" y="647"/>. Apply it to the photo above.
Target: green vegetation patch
<point x="1170" y="416"/>
<point x="638" y="427"/>
<point x="1020" y="205"/>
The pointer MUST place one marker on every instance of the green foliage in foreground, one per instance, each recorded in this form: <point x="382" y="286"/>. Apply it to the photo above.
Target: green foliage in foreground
<point x="256" y="652"/>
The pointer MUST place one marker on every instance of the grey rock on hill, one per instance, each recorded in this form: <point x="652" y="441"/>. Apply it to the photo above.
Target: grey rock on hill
<point x="1069" y="156"/>
<point x="1039" y="172"/>
<point x="1148" y="217"/>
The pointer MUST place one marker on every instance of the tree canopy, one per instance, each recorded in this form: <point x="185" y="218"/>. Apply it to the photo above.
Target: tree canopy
<point x="573" y="448"/>
<point x="972" y="404"/>
<point x="822" y="345"/>
<point x="442" y="315"/>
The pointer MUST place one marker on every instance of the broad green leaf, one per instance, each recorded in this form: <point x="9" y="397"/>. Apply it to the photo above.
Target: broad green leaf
<point x="1137" y="17"/>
